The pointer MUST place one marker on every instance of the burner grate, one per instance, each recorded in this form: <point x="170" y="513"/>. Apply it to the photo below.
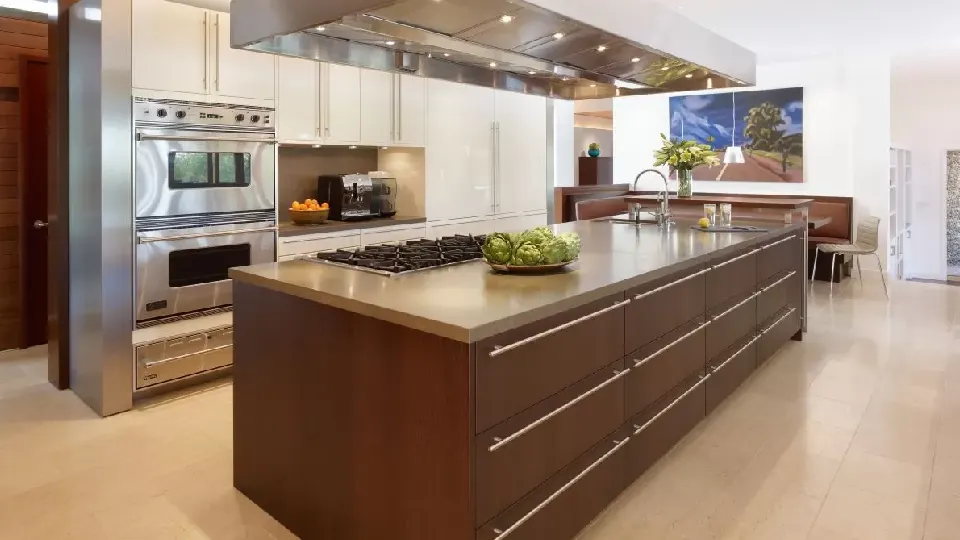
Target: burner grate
<point x="405" y="257"/>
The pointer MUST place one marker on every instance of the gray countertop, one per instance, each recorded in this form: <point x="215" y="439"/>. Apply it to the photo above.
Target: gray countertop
<point x="469" y="302"/>
<point x="288" y="228"/>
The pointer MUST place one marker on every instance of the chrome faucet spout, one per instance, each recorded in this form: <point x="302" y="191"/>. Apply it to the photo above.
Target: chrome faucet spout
<point x="663" y="206"/>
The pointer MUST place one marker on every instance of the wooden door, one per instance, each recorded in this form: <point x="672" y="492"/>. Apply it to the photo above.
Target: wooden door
<point x="170" y="46"/>
<point x="34" y="123"/>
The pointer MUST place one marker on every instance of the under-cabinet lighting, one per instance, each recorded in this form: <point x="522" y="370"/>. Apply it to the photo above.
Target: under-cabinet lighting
<point x="493" y="64"/>
<point x="506" y="19"/>
<point x="558" y="35"/>
<point x="321" y="28"/>
<point x="316" y="146"/>
<point x="689" y="75"/>
<point x="353" y="147"/>
<point x="391" y="43"/>
<point x="593" y="86"/>
<point x="531" y="73"/>
<point x="601" y="48"/>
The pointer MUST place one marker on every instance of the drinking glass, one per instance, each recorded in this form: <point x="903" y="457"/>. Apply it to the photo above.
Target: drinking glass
<point x="710" y="212"/>
<point x="726" y="214"/>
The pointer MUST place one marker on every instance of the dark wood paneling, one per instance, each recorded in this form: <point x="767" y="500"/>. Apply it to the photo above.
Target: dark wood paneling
<point x="659" y="436"/>
<point x="595" y="171"/>
<point x="776" y="258"/>
<point x="510" y="382"/>
<point x="729" y="328"/>
<point x="729" y="370"/>
<point x="511" y="471"/>
<point x="777" y="333"/>
<point x="652" y="316"/>
<point x="337" y="437"/>
<point x="573" y="509"/>
<point x="776" y="297"/>
<point x="733" y="280"/>
<point x="656" y="376"/>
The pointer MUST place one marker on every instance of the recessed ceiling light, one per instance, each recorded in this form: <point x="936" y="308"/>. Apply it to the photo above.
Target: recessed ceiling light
<point x="446" y="54"/>
<point x="493" y="64"/>
<point x="635" y="59"/>
<point x="429" y="55"/>
<point x="601" y="48"/>
<point x="689" y="75"/>
<point x="391" y="43"/>
<point x="506" y="19"/>
<point x="316" y="146"/>
<point x="531" y="73"/>
<point x="383" y="147"/>
<point x="321" y="28"/>
<point x="558" y="35"/>
<point x="664" y="68"/>
<point x="353" y="147"/>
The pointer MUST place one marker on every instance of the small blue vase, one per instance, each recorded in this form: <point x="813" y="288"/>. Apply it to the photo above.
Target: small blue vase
<point x="593" y="152"/>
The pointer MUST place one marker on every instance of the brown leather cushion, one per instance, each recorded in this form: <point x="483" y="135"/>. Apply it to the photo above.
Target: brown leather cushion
<point x="839" y="212"/>
<point x="598" y="208"/>
<point x="817" y="240"/>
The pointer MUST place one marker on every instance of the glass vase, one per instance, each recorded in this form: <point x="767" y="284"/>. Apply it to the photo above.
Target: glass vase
<point x="684" y="183"/>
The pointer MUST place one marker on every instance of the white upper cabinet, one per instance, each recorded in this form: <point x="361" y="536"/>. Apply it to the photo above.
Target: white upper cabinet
<point x="521" y="152"/>
<point x="298" y="100"/>
<point x="170" y="47"/>
<point x="238" y="73"/>
<point x="459" y="151"/>
<point x="340" y="103"/>
<point x="377" y="100"/>
<point x="411" y="110"/>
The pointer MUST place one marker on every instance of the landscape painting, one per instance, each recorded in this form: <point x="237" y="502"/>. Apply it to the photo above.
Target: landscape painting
<point x="767" y="124"/>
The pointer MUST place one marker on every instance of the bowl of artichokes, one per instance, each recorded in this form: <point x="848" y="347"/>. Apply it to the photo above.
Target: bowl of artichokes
<point x="533" y="251"/>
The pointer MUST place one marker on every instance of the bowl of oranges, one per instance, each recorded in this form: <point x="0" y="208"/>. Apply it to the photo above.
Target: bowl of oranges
<point x="309" y="212"/>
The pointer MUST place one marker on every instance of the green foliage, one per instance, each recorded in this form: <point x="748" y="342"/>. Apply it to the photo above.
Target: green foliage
<point x="594" y="146"/>
<point x="763" y="126"/>
<point x="684" y="155"/>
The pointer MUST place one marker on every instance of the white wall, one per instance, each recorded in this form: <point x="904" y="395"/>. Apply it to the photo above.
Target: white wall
<point x="924" y="119"/>
<point x="846" y="133"/>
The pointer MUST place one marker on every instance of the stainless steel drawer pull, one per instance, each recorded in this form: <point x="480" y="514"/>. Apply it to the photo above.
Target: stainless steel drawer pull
<point x="639" y="429"/>
<point x="499" y="443"/>
<point x="779" y="281"/>
<point x="147" y="364"/>
<point x="778" y="242"/>
<point x="736" y="354"/>
<point x="151" y="239"/>
<point x="735" y="259"/>
<point x="740" y="303"/>
<point x="638" y="363"/>
<point x="780" y="320"/>
<point x="497" y="350"/>
<point x="501" y="534"/>
<point x="671" y="284"/>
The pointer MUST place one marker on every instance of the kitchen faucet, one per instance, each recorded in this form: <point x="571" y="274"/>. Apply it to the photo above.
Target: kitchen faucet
<point x="663" y="206"/>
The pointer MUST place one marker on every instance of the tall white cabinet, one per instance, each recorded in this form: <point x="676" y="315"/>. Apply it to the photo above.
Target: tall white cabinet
<point x="486" y="159"/>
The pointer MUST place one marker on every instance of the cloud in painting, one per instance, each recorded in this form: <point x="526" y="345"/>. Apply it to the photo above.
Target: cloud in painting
<point x="702" y="118"/>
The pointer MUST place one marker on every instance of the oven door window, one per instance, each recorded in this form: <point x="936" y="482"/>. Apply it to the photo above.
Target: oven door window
<point x="209" y="169"/>
<point x="206" y="265"/>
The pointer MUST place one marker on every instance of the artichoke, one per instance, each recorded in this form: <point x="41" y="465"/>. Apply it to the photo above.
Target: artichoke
<point x="526" y="254"/>
<point x="554" y="251"/>
<point x="572" y="243"/>
<point x="498" y="248"/>
<point x="537" y="236"/>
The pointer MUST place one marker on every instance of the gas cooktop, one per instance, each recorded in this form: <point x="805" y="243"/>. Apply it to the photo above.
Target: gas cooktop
<point x="406" y="257"/>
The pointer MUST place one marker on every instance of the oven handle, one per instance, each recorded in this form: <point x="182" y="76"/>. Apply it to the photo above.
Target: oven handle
<point x="214" y="138"/>
<point x="149" y="239"/>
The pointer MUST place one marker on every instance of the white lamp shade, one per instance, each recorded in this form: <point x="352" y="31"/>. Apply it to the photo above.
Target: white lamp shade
<point x="734" y="154"/>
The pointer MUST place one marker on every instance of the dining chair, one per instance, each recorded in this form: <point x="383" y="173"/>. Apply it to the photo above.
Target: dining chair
<point x="867" y="243"/>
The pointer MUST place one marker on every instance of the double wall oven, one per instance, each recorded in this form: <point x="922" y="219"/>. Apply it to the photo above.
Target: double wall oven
<point x="205" y="187"/>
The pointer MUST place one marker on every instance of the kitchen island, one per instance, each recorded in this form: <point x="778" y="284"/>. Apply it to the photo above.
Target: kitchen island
<point x="455" y="403"/>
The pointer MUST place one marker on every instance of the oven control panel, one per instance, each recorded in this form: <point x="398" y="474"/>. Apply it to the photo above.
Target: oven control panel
<point x="173" y="113"/>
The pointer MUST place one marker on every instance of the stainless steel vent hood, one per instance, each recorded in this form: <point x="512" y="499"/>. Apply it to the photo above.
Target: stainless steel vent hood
<point x="568" y="49"/>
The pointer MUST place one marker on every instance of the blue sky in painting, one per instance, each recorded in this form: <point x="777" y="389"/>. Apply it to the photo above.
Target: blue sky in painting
<point x="703" y="115"/>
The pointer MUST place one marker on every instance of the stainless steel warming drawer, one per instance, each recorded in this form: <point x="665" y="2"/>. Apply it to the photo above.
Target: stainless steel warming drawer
<point x="182" y="356"/>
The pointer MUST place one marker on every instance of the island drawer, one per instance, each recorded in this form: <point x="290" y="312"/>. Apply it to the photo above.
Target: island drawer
<point x="661" y="306"/>
<point x="776" y="333"/>
<point x="521" y="367"/>
<point x="566" y="503"/>
<point x="663" y="364"/>
<point x="655" y="431"/>
<point x="730" y="369"/>
<point x="731" y="321"/>
<point x="778" y="255"/>
<point x="731" y="278"/>
<point x="776" y="292"/>
<point x="519" y="454"/>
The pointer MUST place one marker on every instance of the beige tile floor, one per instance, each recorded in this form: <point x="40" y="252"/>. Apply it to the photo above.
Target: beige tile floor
<point x="852" y="435"/>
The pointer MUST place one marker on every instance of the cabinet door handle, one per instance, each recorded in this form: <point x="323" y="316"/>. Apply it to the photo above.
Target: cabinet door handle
<point x="498" y="350"/>
<point x="399" y="107"/>
<point x="206" y="51"/>
<point x="780" y="320"/>
<point x="499" y="443"/>
<point x="671" y="284"/>
<point x="501" y="534"/>
<point x="216" y="50"/>
<point x="779" y="281"/>
<point x="497" y="154"/>
<point x="738" y="304"/>
<point x="736" y="354"/>
<point x="493" y="166"/>
<point x="639" y="429"/>
<point x="778" y="242"/>
<point x="639" y="363"/>
<point x="735" y="259"/>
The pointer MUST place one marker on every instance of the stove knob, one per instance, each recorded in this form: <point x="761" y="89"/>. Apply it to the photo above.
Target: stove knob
<point x="240" y="118"/>
<point x="181" y="114"/>
<point x="255" y="118"/>
<point x="161" y="113"/>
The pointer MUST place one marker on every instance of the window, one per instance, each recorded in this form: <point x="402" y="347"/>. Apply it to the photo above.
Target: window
<point x="209" y="169"/>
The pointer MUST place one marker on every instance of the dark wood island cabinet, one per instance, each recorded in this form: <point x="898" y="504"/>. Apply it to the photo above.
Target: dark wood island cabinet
<point x="520" y="413"/>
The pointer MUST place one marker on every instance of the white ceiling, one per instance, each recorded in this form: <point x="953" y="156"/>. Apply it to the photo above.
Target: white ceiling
<point x="793" y="29"/>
